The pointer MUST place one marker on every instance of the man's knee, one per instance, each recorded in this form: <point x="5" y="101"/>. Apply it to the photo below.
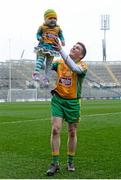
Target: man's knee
<point x="56" y="125"/>
<point x="55" y="130"/>
<point x="72" y="131"/>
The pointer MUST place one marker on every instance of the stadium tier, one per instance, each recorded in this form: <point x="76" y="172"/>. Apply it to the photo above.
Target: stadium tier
<point x="103" y="80"/>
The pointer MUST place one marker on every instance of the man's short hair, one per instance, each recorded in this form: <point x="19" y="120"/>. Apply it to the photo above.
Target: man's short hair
<point x="84" y="49"/>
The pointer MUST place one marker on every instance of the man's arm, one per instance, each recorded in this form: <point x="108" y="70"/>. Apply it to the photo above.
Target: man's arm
<point x="72" y="65"/>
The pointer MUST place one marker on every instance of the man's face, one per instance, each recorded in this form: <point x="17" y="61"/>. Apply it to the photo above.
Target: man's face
<point x="76" y="52"/>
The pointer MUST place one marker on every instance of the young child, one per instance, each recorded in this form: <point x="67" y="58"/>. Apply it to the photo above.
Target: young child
<point x="47" y="33"/>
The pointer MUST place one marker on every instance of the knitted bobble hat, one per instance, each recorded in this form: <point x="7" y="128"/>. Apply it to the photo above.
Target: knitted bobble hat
<point x="50" y="13"/>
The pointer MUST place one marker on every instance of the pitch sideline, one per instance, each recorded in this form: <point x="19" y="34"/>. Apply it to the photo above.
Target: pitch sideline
<point x="35" y="120"/>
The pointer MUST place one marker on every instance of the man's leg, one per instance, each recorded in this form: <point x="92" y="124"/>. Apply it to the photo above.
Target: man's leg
<point x="71" y="145"/>
<point x="55" y="135"/>
<point x="55" y="145"/>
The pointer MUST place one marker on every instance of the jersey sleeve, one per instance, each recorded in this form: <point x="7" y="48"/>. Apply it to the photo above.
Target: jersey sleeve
<point x="54" y="66"/>
<point x="39" y="33"/>
<point x="60" y="35"/>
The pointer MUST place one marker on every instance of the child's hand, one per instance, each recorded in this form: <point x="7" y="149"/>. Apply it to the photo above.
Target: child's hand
<point x="40" y="39"/>
<point x="63" y="43"/>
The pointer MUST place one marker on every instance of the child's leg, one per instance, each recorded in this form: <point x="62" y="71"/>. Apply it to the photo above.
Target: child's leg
<point x="39" y="62"/>
<point x="39" y="65"/>
<point x="49" y="60"/>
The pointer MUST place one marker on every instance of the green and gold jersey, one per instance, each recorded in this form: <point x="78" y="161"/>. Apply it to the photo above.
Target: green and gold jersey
<point x="69" y="83"/>
<point x="49" y="34"/>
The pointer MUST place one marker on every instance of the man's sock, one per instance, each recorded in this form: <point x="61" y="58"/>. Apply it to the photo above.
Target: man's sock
<point x="70" y="157"/>
<point x="55" y="157"/>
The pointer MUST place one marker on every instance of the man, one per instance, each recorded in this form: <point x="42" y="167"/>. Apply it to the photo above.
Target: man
<point x="65" y="104"/>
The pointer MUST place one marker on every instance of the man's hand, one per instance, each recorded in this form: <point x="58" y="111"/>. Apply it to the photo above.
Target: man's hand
<point x="56" y="45"/>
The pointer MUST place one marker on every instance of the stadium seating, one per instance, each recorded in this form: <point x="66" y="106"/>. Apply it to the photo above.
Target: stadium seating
<point x="103" y="80"/>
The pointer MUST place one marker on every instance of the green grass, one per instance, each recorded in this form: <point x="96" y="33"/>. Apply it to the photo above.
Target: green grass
<point x="25" y="146"/>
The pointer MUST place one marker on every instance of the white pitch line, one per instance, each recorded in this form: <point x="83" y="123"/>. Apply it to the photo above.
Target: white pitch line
<point x="34" y="120"/>
<point x="24" y="121"/>
<point x="102" y="114"/>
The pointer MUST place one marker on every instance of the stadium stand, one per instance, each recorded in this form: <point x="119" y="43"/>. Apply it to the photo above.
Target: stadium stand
<point x="103" y="80"/>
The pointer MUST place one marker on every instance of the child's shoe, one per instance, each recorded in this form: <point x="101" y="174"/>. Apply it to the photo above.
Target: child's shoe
<point x="36" y="76"/>
<point x="46" y="82"/>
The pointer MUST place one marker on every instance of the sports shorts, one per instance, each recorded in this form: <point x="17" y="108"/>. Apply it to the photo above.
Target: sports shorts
<point x="68" y="109"/>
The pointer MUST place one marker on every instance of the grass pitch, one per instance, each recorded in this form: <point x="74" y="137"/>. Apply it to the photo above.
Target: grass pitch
<point x="25" y="146"/>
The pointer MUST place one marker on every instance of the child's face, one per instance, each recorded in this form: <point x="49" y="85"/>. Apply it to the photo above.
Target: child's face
<point x="51" y="21"/>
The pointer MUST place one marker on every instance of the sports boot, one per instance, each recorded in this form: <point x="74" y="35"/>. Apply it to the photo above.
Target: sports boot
<point x="52" y="169"/>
